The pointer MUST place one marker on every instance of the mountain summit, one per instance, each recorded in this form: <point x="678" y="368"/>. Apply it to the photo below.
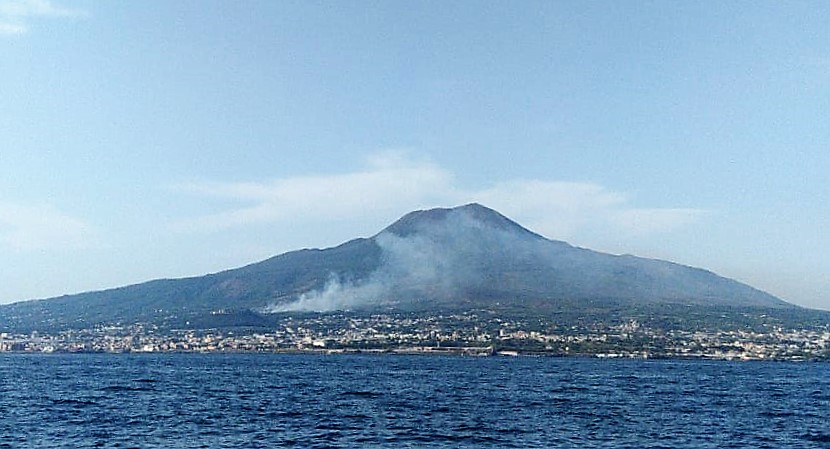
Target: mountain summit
<point x="438" y="259"/>
<point x="482" y="216"/>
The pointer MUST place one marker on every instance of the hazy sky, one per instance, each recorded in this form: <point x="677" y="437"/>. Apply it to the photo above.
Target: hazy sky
<point x="153" y="139"/>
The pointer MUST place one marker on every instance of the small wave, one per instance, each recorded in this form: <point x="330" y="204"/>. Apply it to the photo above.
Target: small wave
<point x="817" y="437"/>
<point x="777" y="414"/>
<point x="362" y="394"/>
<point x="124" y="388"/>
<point x="820" y="395"/>
<point x="145" y="381"/>
<point x="432" y="438"/>
<point x="72" y="402"/>
<point x="288" y="414"/>
<point x="355" y="416"/>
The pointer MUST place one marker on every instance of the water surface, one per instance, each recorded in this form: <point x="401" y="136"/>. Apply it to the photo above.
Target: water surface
<point x="264" y="401"/>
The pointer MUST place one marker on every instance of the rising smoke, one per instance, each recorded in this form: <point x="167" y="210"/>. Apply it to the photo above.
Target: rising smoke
<point x="438" y="260"/>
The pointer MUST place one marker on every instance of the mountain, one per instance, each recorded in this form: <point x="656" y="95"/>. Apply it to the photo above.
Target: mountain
<point x="438" y="259"/>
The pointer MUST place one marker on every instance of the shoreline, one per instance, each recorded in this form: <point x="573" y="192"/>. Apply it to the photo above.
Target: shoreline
<point x="433" y="352"/>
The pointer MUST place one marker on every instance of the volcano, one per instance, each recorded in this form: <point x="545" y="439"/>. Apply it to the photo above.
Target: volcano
<point x="430" y="260"/>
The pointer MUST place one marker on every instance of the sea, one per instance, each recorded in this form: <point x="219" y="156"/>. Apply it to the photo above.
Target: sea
<point x="407" y="401"/>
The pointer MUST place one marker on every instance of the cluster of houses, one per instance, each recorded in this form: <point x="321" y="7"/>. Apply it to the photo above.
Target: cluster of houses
<point x="463" y="333"/>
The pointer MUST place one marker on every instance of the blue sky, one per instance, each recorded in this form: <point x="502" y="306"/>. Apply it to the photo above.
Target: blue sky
<point x="151" y="139"/>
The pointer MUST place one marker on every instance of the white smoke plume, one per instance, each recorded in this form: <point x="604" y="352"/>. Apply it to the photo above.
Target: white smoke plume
<point x="438" y="260"/>
<point x="336" y="295"/>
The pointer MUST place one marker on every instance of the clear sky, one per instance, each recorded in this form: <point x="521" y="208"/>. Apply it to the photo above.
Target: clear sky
<point x="150" y="139"/>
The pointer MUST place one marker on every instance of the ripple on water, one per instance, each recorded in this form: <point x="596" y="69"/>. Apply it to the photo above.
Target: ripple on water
<point x="217" y="401"/>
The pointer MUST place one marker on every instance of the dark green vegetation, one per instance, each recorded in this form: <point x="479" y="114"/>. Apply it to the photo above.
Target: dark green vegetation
<point x="427" y="262"/>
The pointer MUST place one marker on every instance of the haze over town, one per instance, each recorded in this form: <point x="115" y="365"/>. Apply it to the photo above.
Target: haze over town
<point x="167" y="139"/>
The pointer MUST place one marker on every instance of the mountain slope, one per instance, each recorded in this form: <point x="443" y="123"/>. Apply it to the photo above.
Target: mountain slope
<point x="472" y="253"/>
<point x="469" y="256"/>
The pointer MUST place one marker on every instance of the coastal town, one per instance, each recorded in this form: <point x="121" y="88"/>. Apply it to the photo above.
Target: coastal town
<point x="469" y="333"/>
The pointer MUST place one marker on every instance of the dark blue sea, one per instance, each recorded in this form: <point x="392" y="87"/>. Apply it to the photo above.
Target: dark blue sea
<point x="356" y="401"/>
